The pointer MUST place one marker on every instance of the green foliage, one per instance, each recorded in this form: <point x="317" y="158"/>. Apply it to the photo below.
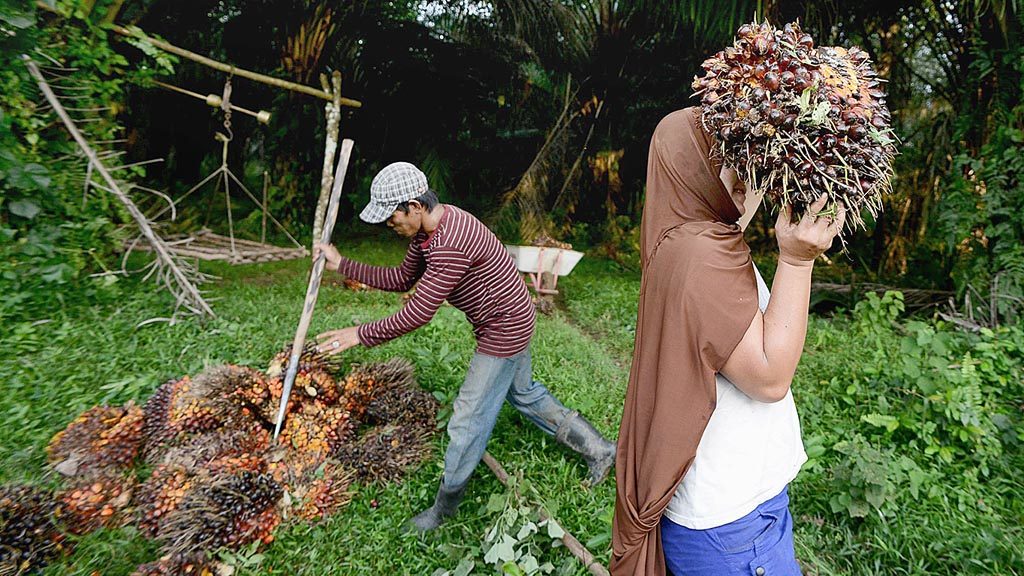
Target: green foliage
<point x="519" y="539"/>
<point x="52" y="239"/>
<point x="982" y="208"/>
<point x="903" y="417"/>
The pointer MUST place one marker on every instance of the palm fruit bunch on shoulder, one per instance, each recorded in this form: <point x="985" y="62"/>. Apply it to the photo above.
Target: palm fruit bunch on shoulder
<point x="196" y="563"/>
<point x="160" y="494"/>
<point x="96" y="502"/>
<point x="797" y="121"/>
<point x="102" y="437"/>
<point x="384" y="452"/>
<point x="325" y="493"/>
<point x="29" y="535"/>
<point x="224" y="510"/>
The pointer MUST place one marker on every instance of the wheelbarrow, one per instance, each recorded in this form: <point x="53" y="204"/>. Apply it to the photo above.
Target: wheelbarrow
<point x="544" y="265"/>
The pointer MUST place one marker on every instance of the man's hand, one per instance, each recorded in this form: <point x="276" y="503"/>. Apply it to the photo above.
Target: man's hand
<point x="331" y="254"/>
<point x="335" y="341"/>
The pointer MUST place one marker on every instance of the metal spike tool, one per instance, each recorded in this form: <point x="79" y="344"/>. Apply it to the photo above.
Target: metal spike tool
<point x="314" y="284"/>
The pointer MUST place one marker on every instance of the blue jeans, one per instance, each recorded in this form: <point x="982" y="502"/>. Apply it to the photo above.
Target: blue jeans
<point x="489" y="381"/>
<point x="759" y="544"/>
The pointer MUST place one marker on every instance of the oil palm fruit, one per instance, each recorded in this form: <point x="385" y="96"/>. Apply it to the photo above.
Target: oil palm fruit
<point x="100" y="438"/>
<point x="159" y="495"/>
<point x="98" y="502"/>
<point x="385" y="452"/>
<point x="29" y="535"/>
<point x="224" y="510"/>
<point x="326" y="493"/>
<point x="797" y="121"/>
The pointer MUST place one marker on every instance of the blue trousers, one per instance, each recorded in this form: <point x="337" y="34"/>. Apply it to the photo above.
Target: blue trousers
<point x="759" y="544"/>
<point x="489" y="382"/>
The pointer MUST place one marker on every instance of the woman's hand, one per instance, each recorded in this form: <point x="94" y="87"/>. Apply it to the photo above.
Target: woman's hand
<point x="336" y="341"/>
<point x="801" y="242"/>
<point x="330" y="253"/>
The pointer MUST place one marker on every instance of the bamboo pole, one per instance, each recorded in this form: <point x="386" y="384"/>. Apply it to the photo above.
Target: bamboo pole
<point x="571" y="543"/>
<point x="255" y="76"/>
<point x="136" y="32"/>
<point x="333" y="112"/>
<point x="157" y="244"/>
<point x="314" y="285"/>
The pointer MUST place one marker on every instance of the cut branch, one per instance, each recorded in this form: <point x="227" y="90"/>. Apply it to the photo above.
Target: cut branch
<point x="178" y="283"/>
<point x="571" y="543"/>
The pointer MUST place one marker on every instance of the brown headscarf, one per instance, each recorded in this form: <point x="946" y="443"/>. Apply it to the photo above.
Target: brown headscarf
<point x="698" y="296"/>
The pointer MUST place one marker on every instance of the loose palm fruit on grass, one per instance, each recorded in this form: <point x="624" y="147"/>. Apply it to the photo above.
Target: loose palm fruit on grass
<point x="29" y="535"/>
<point x="797" y="121"/>
<point x="101" y="437"/>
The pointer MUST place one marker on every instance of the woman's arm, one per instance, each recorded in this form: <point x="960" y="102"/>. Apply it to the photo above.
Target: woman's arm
<point x="763" y="363"/>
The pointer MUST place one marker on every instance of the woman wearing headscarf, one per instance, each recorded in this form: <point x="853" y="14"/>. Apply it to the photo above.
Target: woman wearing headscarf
<point x="710" y="437"/>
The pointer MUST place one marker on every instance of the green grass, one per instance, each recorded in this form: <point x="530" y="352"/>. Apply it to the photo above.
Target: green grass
<point x="62" y="363"/>
<point x="65" y="364"/>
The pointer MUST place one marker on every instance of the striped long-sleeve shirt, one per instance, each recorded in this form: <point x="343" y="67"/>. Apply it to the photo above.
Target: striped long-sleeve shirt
<point x="463" y="262"/>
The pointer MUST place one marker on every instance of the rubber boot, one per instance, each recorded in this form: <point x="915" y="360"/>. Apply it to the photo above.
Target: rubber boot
<point x="445" y="504"/>
<point x="580" y="436"/>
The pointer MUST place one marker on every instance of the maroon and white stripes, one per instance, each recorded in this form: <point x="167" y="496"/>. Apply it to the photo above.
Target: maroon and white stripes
<point x="462" y="262"/>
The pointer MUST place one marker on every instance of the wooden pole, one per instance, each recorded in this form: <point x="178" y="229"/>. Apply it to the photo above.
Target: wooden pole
<point x="255" y="76"/>
<point x="198" y="304"/>
<point x="571" y="543"/>
<point x="314" y="285"/>
<point x="263" y="228"/>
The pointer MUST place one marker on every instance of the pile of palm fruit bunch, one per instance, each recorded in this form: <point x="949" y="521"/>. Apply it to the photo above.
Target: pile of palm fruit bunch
<point x="798" y="121"/>
<point x="29" y="534"/>
<point x="196" y="468"/>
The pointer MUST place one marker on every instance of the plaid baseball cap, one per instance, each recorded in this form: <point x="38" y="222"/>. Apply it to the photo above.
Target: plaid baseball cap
<point x="397" y="182"/>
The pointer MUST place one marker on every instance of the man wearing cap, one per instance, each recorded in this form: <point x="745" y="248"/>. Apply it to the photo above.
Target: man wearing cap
<point x="454" y="257"/>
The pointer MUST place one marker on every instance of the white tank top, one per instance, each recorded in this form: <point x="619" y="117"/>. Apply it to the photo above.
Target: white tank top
<point x="749" y="452"/>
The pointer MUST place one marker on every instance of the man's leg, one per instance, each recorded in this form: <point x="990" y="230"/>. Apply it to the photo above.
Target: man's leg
<point x="532" y="398"/>
<point x="570" y="428"/>
<point x="473" y="416"/>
